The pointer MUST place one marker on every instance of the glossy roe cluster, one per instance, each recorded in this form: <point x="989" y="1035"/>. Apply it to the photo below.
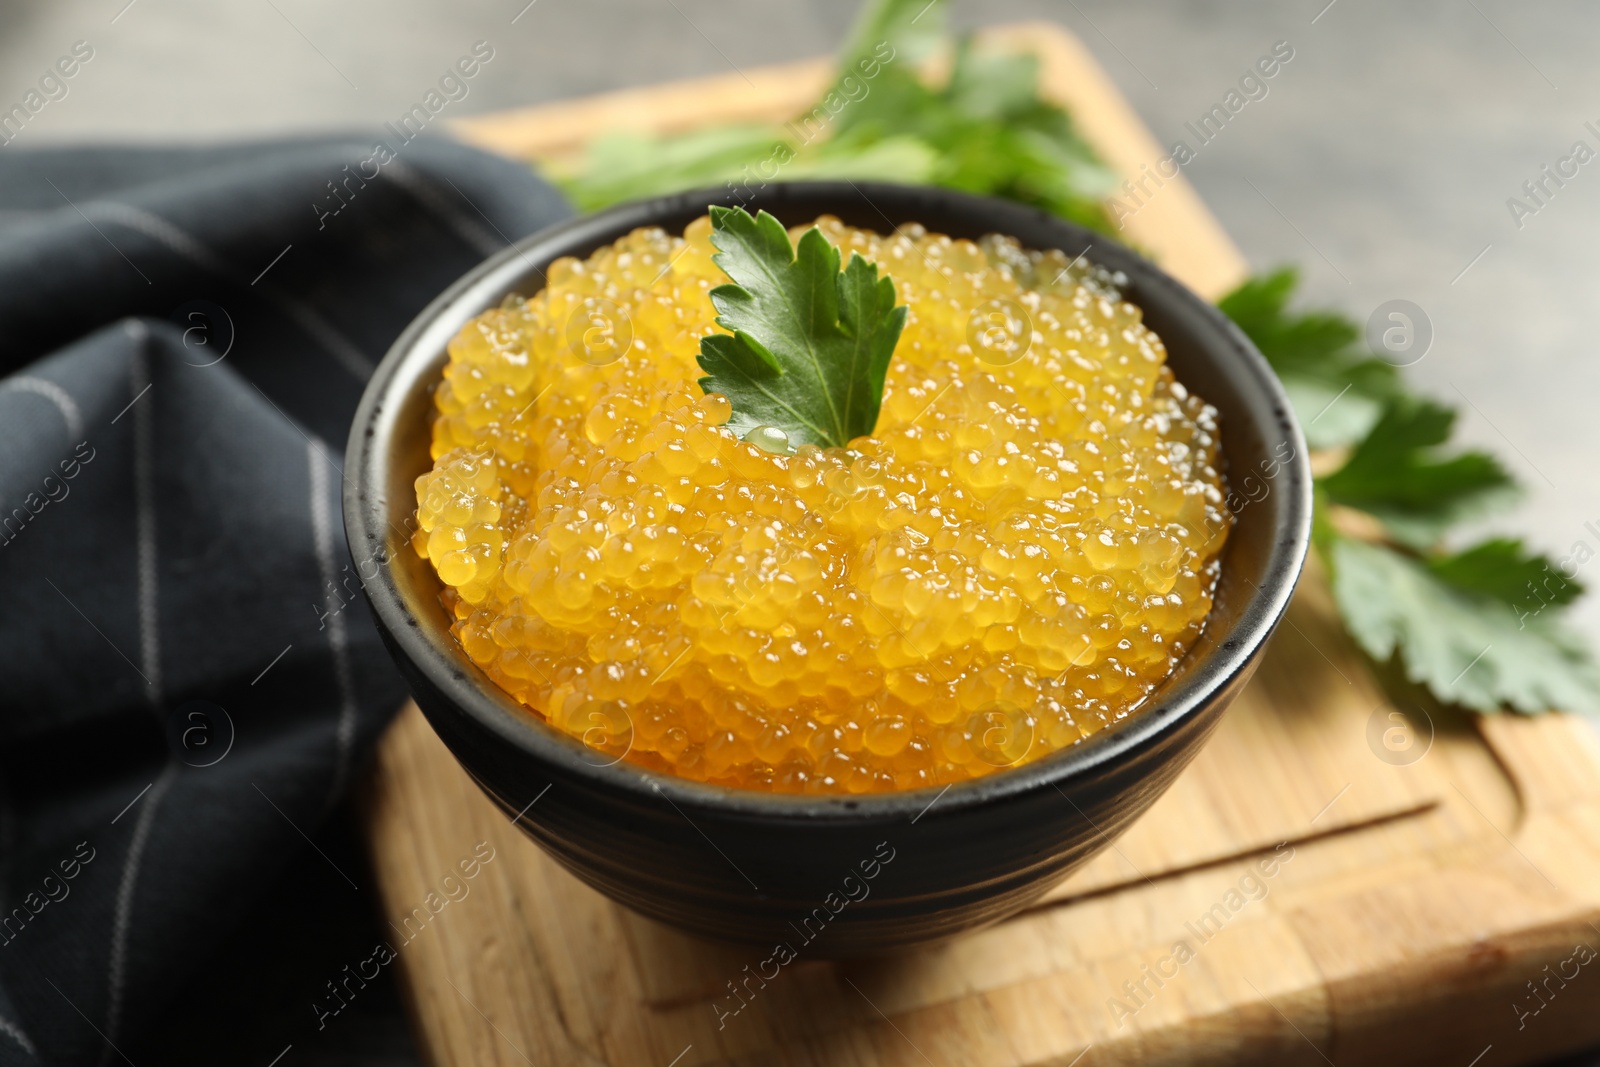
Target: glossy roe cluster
<point x="1019" y="553"/>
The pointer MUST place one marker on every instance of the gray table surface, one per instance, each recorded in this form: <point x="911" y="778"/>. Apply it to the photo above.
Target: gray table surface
<point x="1382" y="160"/>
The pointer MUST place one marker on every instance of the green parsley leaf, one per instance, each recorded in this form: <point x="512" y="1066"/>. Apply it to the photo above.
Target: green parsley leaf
<point x="913" y="28"/>
<point x="1501" y="568"/>
<point x="1395" y="476"/>
<point x="628" y="165"/>
<point x="1260" y="306"/>
<point x="992" y="85"/>
<point x="809" y="345"/>
<point x="984" y="130"/>
<point x="989" y="131"/>
<point x="908" y="160"/>
<point x="1472" y="650"/>
<point x="1337" y="392"/>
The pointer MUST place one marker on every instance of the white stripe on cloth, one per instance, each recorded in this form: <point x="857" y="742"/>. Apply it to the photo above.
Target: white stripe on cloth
<point x="145" y="516"/>
<point x="55" y="394"/>
<point x="116" y="969"/>
<point x="350" y="357"/>
<point x="333" y="605"/>
<point x="14" y="1032"/>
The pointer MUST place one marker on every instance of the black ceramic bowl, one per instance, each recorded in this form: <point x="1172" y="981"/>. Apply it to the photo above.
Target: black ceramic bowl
<point x="845" y="875"/>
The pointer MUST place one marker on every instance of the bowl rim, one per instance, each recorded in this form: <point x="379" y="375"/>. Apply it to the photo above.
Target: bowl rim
<point x="433" y="652"/>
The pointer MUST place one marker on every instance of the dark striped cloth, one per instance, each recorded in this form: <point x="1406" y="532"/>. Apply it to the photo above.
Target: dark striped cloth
<point x="188" y="677"/>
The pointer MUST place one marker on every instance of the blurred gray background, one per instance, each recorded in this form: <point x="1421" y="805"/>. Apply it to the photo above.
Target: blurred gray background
<point x="1390" y="144"/>
<point x="1389" y="147"/>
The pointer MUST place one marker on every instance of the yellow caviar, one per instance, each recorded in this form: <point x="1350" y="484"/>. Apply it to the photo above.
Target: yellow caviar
<point x="1014" y="559"/>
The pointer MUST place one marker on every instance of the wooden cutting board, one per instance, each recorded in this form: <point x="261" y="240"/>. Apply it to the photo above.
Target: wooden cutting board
<point x="1331" y="881"/>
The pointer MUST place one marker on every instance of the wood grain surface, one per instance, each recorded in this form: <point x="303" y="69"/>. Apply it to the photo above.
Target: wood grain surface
<point x="1326" y="883"/>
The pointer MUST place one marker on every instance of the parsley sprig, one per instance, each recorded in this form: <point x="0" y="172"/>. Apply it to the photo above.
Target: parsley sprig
<point x="982" y="128"/>
<point x="1480" y="626"/>
<point x="808" y="344"/>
